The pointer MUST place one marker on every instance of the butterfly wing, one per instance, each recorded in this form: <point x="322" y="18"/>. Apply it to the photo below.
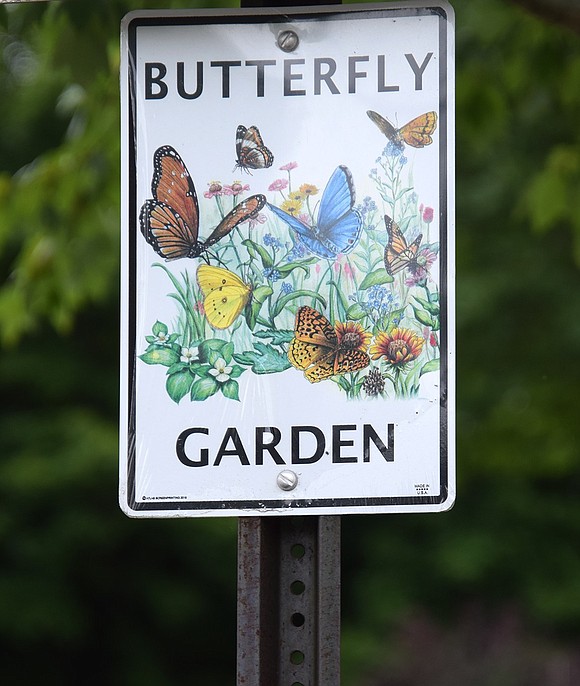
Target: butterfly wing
<point x="417" y="133"/>
<point x="304" y="233"/>
<point x="250" y="149"/>
<point x="165" y="230"/>
<point x="398" y="254"/>
<point x="243" y="211"/>
<point x="314" y="339"/>
<point x="385" y="126"/>
<point x="172" y="185"/>
<point x="225" y="293"/>
<point x="339" y="226"/>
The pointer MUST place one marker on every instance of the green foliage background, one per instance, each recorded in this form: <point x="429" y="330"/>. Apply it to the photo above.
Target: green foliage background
<point x="88" y="596"/>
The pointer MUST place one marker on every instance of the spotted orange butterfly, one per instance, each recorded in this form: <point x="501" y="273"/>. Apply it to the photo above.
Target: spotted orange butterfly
<point x="170" y="220"/>
<point x="416" y="133"/>
<point x="250" y="150"/>
<point x="320" y="352"/>
<point x="398" y="254"/>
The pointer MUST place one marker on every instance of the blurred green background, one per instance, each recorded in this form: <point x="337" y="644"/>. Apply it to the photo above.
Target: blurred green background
<point x="485" y="595"/>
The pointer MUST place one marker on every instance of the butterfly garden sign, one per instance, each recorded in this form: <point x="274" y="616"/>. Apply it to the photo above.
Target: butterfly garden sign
<point x="287" y="252"/>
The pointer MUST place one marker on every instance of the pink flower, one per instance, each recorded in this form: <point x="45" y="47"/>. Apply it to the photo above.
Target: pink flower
<point x="258" y="219"/>
<point x="236" y="188"/>
<point x="428" y="215"/>
<point x="289" y="167"/>
<point x="278" y="185"/>
<point x="215" y="188"/>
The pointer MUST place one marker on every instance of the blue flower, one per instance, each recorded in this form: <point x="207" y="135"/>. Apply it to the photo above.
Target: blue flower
<point x="297" y="252"/>
<point x="394" y="150"/>
<point x="271" y="274"/>
<point x="272" y="241"/>
<point x="286" y="288"/>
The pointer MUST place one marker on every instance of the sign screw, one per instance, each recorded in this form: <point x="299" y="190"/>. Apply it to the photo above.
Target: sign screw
<point x="287" y="480"/>
<point x="288" y="41"/>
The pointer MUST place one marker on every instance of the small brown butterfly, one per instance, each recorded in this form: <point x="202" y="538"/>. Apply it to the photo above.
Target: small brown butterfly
<point x="322" y="350"/>
<point x="416" y="133"/>
<point x="399" y="255"/>
<point x="170" y="221"/>
<point x="250" y="150"/>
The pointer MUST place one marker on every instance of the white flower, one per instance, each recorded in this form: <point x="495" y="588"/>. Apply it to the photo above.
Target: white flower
<point x="188" y="354"/>
<point x="221" y="371"/>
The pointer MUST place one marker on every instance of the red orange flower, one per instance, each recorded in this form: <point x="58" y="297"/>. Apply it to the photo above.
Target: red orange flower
<point x="398" y="347"/>
<point x="351" y="336"/>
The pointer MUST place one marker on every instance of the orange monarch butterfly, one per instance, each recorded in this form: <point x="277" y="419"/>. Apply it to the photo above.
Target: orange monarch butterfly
<point x="416" y="133"/>
<point x="399" y="255"/>
<point x="251" y="151"/>
<point x="170" y="221"/>
<point x="317" y="349"/>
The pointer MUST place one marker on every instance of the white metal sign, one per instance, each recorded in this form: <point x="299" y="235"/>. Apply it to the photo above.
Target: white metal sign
<point x="287" y="252"/>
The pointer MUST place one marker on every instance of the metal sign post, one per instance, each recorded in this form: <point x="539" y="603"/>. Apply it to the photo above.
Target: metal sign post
<point x="288" y="586"/>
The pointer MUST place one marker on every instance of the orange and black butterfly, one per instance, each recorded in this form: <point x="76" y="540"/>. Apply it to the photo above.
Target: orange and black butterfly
<point x="322" y="350"/>
<point x="417" y="133"/>
<point x="170" y="220"/>
<point x="399" y="255"/>
<point x="251" y="151"/>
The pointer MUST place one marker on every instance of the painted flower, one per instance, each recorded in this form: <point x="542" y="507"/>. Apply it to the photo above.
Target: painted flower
<point x="286" y="288"/>
<point x="296" y="196"/>
<point x="258" y="219"/>
<point x="307" y="189"/>
<point x="428" y="215"/>
<point x="214" y="188"/>
<point x="289" y="167"/>
<point x="394" y="149"/>
<point x="199" y="307"/>
<point x="271" y="274"/>
<point x="352" y="336"/>
<point x="236" y="188"/>
<point x="188" y="354"/>
<point x="271" y="241"/>
<point x="419" y="271"/>
<point x="221" y="372"/>
<point x="291" y="206"/>
<point x="278" y="185"/>
<point x="374" y="382"/>
<point x="398" y="347"/>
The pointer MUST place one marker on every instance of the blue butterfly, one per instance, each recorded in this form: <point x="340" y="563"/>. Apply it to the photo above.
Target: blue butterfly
<point x="338" y="227"/>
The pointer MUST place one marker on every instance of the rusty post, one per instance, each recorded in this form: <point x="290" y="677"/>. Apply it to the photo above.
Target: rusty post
<point x="289" y="601"/>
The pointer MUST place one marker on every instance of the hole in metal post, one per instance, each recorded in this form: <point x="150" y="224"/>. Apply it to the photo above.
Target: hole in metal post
<point x="296" y="657"/>
<point x="297" y="587"/>
<point x="297" y="551"/>
<point x="297" y="619"/>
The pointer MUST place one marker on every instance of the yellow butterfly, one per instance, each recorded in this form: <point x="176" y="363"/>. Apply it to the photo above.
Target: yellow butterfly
<point x="416" y="133"/>
<point x="225" y="295"/>
<point x="322" y="351"/>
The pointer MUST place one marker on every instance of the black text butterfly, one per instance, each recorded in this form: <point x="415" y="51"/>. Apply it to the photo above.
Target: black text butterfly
<point x="170" y="220"/>
<point x="399" y="255"/>
<point x="251" y="151"/>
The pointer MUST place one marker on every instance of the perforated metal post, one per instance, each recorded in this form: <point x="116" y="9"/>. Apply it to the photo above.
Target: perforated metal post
<point x="289" y="601"/>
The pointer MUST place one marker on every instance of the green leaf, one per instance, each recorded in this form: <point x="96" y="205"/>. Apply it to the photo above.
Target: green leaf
<point x="355" y="312"/>
<point x="424" y="317"/>
<point x="431" y="307"/>
<point x="264" y="359"/>
<point x="179" y="384"/>
<point x="230" y="389"/>
<point x="237" y="371"/>
<point x="204" y="388"/>
<point x="431" y="366"/>
<point x="261" y="293"/>
<point x="160" y="355"/>
<point x="278" y="337"/>
<point x="295" y="295"/>
<point x="159" y="328"/>
<point x="375" y="278"/>
<point x="267" y="260"/>
<point x="210" y="346"/>
<point x="258" y="297"/>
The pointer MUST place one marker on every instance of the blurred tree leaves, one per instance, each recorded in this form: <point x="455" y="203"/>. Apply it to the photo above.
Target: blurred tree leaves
<point x="95" y="597"/>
